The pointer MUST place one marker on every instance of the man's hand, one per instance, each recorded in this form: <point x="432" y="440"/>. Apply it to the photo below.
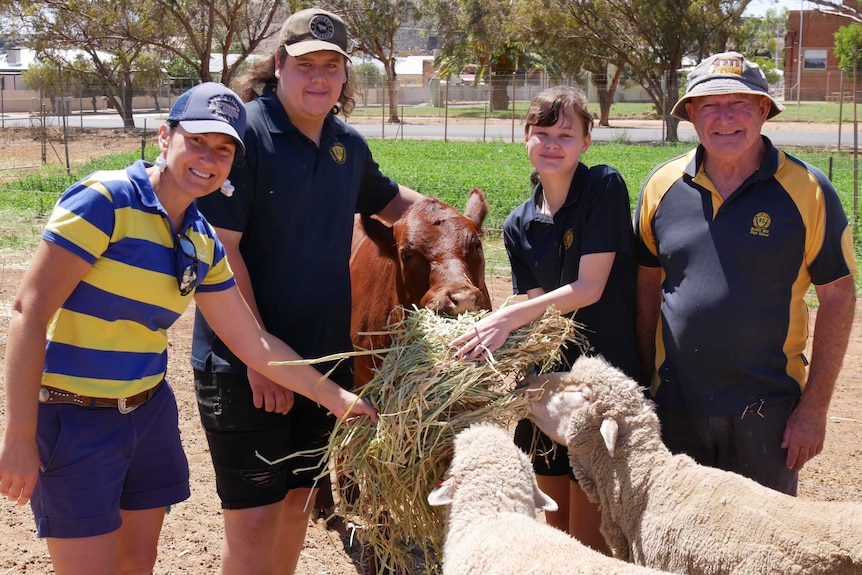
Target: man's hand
<point x="804" y="435"/>
<point x="269" y="395"/>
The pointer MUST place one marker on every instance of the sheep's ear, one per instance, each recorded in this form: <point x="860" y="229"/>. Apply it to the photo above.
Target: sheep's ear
<point x="609" y="431"/>
<point x="542" y="500"/>
<point x="442" y="494"/>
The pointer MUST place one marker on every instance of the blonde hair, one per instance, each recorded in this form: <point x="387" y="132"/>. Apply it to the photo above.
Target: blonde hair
<point x="550" y="104"/>
<point x="261" y="74"/>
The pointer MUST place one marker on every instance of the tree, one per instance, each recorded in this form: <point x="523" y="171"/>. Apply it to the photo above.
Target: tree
<point x="480" y="33"/>
<point x="565" y="48"/>
<point x="123" y="38"/>
<point x="848" y="43"/>
<point x="373" y="24"/>
<point x="194" y="30"/>
<point x="650" y="39"/>
<point x="850" y="9"/>
<point x="369" y="76"/>
<point x="61" y="27"/>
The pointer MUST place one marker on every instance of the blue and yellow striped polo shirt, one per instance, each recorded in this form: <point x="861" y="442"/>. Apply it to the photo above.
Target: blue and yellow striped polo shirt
<point x="109" y="338"/>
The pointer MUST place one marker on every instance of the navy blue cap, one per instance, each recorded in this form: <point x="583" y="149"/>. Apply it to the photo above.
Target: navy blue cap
<point x="211" y="107"/>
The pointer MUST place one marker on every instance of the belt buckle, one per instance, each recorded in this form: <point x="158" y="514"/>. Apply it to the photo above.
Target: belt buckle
<point x="121" y="406"/>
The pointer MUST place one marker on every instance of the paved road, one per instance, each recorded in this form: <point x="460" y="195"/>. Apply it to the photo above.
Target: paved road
<point x="781" y="133"/>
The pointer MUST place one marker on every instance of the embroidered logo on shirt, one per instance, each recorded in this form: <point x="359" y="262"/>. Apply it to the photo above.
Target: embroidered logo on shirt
<point x="338" y="152"/>
<point x="760" y="225"/>
<point x="568" y="238"/>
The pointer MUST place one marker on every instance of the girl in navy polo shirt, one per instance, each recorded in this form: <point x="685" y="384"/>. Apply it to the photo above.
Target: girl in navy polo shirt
<point x="570" y="245"/>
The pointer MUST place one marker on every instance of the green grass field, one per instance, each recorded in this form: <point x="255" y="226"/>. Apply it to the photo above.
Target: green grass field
<point x="446" y="170"/>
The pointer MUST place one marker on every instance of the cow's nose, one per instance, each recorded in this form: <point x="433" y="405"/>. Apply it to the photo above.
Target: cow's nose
<point x="463" y="300"/>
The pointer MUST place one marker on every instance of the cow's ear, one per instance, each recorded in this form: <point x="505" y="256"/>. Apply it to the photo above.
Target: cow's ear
<point x="379" y="233"/>
<point x="477" y="207"/>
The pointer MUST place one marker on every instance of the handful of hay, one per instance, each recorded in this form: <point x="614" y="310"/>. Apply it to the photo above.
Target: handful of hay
<point x="424" y="396"/>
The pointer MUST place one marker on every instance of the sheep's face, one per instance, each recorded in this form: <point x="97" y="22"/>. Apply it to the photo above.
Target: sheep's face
<point x="488" y="468"/>
<point x="559" y="396"/>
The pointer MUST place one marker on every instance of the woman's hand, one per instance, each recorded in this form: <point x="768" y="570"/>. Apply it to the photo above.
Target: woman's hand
<point x="486" y="336"/>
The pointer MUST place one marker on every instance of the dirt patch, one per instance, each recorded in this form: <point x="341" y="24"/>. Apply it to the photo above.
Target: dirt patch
<point x="191" y="538"/>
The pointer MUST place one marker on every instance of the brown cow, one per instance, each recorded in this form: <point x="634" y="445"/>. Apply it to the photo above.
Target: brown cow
<point x="431" y="257"/>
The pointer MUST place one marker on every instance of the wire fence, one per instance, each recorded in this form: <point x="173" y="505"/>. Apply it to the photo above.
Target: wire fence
<point x="835" y="475"/>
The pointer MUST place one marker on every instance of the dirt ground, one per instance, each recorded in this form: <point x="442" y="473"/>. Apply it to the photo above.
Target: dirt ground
<point x="191" y="537"/>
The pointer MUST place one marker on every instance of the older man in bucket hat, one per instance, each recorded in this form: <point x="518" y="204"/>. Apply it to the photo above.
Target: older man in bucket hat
<point x="731" y="235"/>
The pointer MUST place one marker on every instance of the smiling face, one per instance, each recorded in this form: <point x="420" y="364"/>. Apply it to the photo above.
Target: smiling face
<point x="728" y="125"/>
<point x="310" y="85"/>
<point x="198" y="164"/>
<point x="557" y="149"/>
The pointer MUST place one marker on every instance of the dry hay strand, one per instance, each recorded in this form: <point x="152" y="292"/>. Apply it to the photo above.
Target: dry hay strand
<point x="424" y="396"/>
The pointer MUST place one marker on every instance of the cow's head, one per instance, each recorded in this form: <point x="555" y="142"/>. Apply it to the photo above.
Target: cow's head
<point x="439" y="256"/>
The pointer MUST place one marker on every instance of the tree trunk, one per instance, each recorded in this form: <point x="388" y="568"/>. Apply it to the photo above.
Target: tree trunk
<point x="670" y="98"/>
<point x="499" y="92"/>
<point x="392" y="91"/>
<point x="606" y="94"/>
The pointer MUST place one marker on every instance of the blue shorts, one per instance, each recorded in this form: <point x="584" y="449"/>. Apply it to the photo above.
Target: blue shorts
<point x="96" y="461"/>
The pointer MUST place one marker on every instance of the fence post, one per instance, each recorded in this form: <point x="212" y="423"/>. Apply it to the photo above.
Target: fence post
<point x="514" y="87"/>
<point x="43" y="135"/>
<point x="446" y="112"/>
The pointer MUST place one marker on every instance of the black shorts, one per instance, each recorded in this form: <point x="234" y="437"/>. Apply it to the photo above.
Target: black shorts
<point x="241" y="436"/>
<point x="549" y="458"/>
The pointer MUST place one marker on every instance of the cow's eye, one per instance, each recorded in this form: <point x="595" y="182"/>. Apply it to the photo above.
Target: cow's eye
<point x="405" y="256"/>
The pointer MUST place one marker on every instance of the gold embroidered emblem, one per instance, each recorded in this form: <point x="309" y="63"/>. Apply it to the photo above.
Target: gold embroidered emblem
<point x="568" y="238"/>
<point x="760" y="225"/>
<point x="338" y="152"/>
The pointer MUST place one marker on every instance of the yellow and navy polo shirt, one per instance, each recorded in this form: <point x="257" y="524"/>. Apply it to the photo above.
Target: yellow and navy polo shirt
<point x="109" y="338"/>
<point x="734" y="325"/>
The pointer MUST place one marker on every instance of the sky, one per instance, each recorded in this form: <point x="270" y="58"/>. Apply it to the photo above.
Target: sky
<point x="759" y="7"/>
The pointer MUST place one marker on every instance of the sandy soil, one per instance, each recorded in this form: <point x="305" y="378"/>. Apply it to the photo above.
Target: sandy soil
<point x="191" y="537"/>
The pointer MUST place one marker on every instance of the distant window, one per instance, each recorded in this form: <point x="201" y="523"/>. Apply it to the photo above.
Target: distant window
<point x="814" y="59"/>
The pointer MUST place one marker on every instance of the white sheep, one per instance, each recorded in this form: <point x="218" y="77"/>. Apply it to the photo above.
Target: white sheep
<point x="668" y="512"/>
<point x="491" y="526"/>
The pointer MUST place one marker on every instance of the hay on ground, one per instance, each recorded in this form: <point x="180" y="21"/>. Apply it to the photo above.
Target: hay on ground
<point x="425" y="396"/>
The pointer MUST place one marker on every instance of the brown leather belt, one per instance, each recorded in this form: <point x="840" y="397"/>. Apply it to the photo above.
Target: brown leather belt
<point x="123" y="404"/>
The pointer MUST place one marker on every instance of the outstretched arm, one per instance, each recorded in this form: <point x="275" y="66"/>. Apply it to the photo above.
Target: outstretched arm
<point x="490" y="333"/>
<point x="230" y="317"/>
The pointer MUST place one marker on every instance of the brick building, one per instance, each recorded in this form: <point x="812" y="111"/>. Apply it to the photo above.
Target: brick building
<point x="813" y="75"/>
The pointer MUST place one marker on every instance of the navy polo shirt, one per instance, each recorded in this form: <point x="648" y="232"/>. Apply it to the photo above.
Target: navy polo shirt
<point x="546" y="253"/>
<point x="294" y="204"/>
<point x="734" y="325"/>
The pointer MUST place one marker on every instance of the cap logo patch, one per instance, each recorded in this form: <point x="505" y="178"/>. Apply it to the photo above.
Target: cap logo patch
<point x="321" y="27"/>
<point x="731" y="66"/>
<point x="225" y="108"/>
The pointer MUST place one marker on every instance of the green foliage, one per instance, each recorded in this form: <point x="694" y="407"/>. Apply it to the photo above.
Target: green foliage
<point x="368" y="74"/>
<point x="445" y="170"/>
<point x="848" y="41"/>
